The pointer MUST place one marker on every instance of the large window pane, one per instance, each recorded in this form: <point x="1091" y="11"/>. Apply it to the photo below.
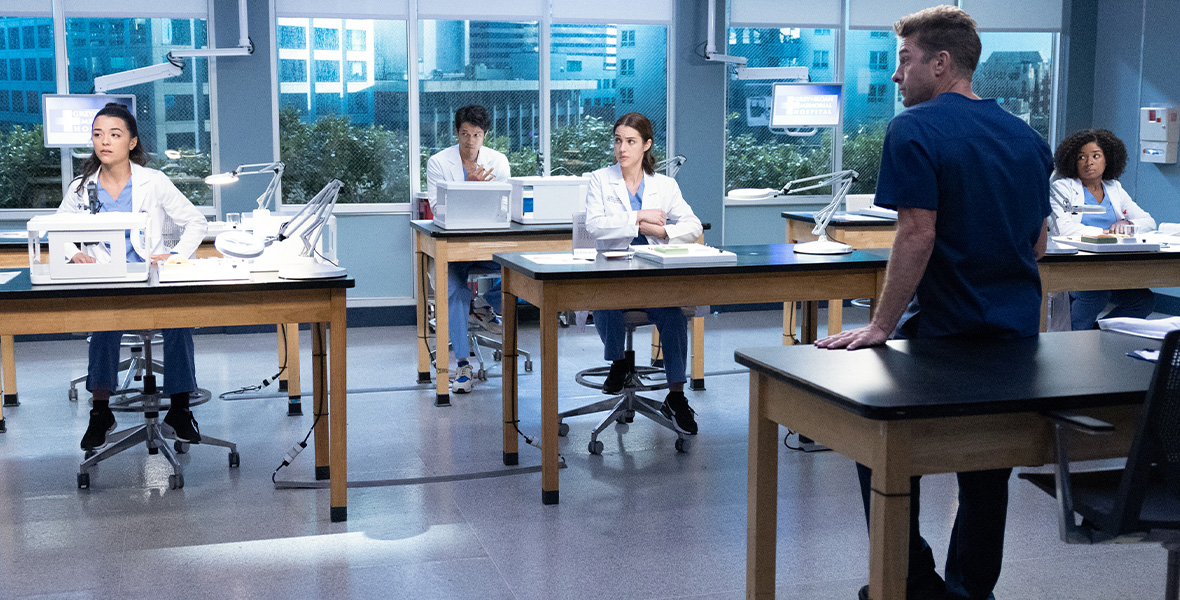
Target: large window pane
<point x="756" y="156"/>
<point x="1017" y="70"/>
<point x="173" y="114"/>
<point x="599" y="73"/>
<point x="352" y="128"/>
<point x="870" y="101"/>
<point x="30" y="174"/>
<point x="490" y="63"/>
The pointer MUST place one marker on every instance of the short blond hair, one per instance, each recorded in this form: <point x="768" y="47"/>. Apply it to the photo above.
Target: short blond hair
<point x="943" y="27"/>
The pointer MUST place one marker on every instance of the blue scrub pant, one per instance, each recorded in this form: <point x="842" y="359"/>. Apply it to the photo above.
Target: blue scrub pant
<point x="1084" y="307"/>
<point x="180" y="369"/>
<point x="673" y="326"/>
<point x="459" y="301"/>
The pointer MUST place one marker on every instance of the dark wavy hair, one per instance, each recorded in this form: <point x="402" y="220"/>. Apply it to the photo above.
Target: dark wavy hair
<point x="473" y="114"/>
<point x="639" y="123"/>
<point x="138" y="155"/>
<point x="1066" y="156"/>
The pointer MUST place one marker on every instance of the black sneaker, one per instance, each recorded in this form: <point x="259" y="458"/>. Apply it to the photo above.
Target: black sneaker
<point x="934" y="590"/>
<point x="184" y="425"/>
<point x="102" y="422"/>
<point x="617" y="378"/>
<point x="676" y="408"/>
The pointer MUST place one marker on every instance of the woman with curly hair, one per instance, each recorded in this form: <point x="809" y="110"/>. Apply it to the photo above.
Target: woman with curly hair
<point x="1089" y="163"/>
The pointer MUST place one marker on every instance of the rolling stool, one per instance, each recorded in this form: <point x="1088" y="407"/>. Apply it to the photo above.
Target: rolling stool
<point x="135" y="366"/>
<point x="476" y="340"/>
<point x="151" y="433"/>
<point x="624" y="406"/>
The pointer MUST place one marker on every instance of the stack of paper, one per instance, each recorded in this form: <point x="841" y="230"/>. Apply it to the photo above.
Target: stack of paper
<point x="1155" y="329"/>
<point x="679" y="254"/>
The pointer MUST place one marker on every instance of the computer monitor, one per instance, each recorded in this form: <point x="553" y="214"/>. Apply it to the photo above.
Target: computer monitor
<point x="805" y="105"/>
<point x="68" y="117"/>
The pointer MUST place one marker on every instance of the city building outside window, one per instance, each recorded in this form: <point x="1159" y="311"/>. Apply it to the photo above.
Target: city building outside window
<point x="173" y="114"/>
<point x="585" y="105"/>
<point x="354" y="130"/>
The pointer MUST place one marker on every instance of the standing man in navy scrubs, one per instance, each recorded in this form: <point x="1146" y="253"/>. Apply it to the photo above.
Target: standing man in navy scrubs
<point x="970" y="183"/>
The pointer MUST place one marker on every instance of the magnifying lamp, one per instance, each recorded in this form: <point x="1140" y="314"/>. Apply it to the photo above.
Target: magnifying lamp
<point x="272" y="189"/>
<point x="673" y="164"/>
<point x="842" y="182"/>
<point x="309" y="222"/>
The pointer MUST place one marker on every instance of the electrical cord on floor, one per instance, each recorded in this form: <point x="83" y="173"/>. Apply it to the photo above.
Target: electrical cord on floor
<point x="799" y="448"/>
<point x="297" y="448"/>
<point x="265" y="382"/>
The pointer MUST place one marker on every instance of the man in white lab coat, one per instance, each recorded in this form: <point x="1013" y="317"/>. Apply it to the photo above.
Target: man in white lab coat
<point x="466" y="161"/>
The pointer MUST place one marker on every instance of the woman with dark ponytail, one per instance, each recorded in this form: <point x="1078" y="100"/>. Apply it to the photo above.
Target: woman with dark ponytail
<point x="123" y="183"/>
<point x="629" y="202"/>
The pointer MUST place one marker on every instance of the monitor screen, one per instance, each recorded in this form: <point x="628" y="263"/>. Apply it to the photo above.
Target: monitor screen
<point x="67" y="117"/>
<point x="805" y="105"/>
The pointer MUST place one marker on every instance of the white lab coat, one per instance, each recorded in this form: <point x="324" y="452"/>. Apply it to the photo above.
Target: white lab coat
<point x="609" y="215"/>
<point x="152" y="193"/>
<point x="447" y="165"/>
<point x="1072" y="190"/>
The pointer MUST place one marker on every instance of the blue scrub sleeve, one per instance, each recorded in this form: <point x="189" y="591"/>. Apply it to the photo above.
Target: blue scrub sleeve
<point x="908" y="178"/>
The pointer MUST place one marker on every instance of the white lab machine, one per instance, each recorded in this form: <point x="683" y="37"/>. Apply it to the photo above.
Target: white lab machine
<point x="547" y="199"/>
<point x="1159" y="134"/>
<point x="105" y="233"/>
<point x="472" y="205"/>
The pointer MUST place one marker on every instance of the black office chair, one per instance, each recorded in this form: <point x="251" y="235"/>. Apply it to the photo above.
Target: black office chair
<point x="1137" y="503"/>
<point x="147" y="399"/>
<point x="623" y="407"/>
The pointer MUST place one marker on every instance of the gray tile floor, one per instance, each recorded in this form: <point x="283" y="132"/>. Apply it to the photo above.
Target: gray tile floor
<point x="641" y="521"/>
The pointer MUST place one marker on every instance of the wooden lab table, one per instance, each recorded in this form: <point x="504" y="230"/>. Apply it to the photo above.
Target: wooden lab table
<point x="928" y="406"/>
<point x="446" y="246"/>
<point x="26" y="309"/>
<point x="761" y="274"/>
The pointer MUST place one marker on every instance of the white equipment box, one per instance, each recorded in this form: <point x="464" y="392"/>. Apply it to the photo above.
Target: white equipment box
<point x="68" y="233"/>
<point x="1159" y="132"/>
<point x="472" y="205"/>
<point x="547" y="199"/>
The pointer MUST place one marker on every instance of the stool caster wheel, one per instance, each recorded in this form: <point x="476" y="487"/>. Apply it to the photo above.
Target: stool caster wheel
<point x="682" y="445"/>
<point x="563" y="429"/>
<point x="235" y="460"/>
<point x="176" y="481"/>
<point x="497" y="355"/>
<point x="153" y="450"/>
<point x="482" y="374"/>
<point x="595" y="447"/>
<point x="73" y="395"/>
<point x="629" y="416"/>
<point x="83" y="481"/>
<point x="528" y="366"/>
<point x="180" y="447"/>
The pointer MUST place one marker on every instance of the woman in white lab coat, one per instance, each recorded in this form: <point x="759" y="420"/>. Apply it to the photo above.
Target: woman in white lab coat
<point x="468" y="160"/>
<point x="122" y="183"/>
<point x="1088" y="164"/>
<point x="629" y="202"/>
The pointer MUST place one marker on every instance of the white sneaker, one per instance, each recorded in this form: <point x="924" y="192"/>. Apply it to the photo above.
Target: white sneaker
<point x="464" y="379"/>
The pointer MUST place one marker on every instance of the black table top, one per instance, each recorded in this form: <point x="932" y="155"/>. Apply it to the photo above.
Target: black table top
<point x="841" y="218"/>
<point x="750" y="259"/>
<point x="937" y="378"/>
<point x="20" y="288"/>
<point x="434" y="231"/>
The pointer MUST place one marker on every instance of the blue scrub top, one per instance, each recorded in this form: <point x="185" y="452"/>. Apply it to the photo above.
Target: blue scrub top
<point x="986" y="173"/>
<point x="637" y="205"/>
<point x="120" y="204"/>
<point x="1104" y="220"/>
